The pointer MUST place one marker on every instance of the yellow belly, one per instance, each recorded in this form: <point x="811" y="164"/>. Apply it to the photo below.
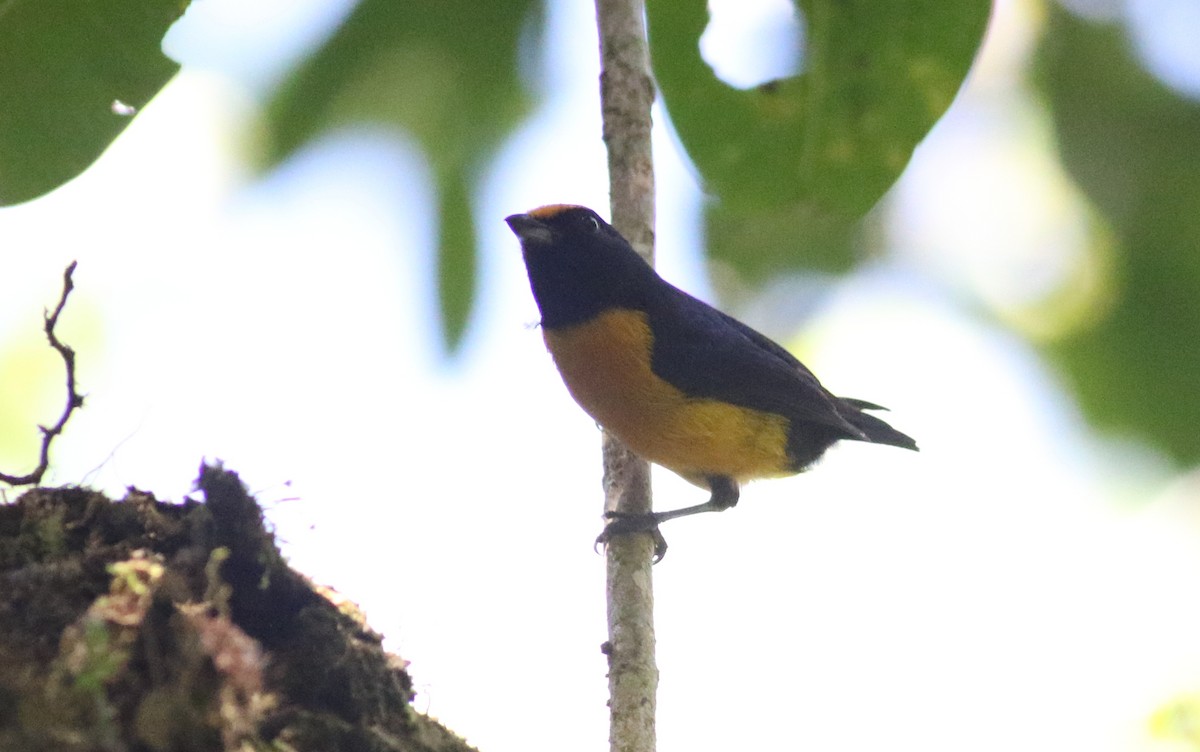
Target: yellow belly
<point x="605" y="363"/>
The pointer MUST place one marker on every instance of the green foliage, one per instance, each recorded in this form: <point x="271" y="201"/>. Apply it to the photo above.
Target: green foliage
<point x="1131" y="144"/>
<point x="444" y="71"/>
<point x="98" y="660"/>
<point x="63" y="65"/>
<point x="794" y="164"/>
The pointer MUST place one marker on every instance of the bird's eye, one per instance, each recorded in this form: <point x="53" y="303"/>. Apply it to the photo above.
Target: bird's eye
<point x="593" y="224"/>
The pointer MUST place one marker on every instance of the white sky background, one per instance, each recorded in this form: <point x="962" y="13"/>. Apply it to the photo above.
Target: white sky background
<point x="998" y="591"/>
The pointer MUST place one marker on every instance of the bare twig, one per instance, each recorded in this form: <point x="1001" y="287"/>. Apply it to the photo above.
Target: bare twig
<point x="626" y="93"/>
<point x="74" y="399"/>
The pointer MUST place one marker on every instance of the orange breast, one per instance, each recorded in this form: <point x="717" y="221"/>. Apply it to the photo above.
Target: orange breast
<point x="605" y="363"/>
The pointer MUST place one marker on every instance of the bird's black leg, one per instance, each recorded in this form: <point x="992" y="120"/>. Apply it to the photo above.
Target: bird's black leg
<point x="725" y="494"/>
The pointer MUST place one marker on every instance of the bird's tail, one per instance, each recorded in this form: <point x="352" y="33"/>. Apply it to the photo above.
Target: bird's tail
<point x="874" y="430"/>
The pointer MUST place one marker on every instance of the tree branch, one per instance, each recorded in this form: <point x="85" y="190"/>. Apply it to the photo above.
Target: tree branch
<point x="74" y="399"/>
<point x="626" y="93"/>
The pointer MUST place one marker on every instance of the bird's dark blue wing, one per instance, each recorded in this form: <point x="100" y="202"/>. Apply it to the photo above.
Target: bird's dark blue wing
<point x="708" y="354"/>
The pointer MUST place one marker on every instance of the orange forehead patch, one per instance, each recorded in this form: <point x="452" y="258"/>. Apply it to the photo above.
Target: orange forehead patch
<point x="551" y="210"/>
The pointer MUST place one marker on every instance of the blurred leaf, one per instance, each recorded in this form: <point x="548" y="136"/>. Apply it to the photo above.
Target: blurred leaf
<point x="795" y="163"/>
<point x="1179" y="720"/>
<point x="63" y="65"/>
<point x="32" y="393"/>
<point x="762" y="242"/>
<point x="1132" y="144"/>
<point x="446" y="72"/>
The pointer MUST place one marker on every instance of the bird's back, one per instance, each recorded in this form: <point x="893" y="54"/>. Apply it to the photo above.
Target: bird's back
<point x="708" y="353"/>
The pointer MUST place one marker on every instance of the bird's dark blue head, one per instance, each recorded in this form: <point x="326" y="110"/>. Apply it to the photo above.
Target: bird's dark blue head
<point x="578" y="265"/>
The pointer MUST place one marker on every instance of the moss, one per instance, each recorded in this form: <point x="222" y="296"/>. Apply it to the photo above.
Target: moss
<point x="143" y="626"/>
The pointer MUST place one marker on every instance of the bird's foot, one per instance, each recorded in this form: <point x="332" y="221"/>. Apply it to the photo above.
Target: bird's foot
<point x="620" y="523"/>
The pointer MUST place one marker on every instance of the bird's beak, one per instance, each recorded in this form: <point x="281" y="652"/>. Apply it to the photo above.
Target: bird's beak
<point x="529" y="229"/>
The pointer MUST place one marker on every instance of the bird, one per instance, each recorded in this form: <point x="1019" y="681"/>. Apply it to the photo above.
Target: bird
<point x="680" y="383"/>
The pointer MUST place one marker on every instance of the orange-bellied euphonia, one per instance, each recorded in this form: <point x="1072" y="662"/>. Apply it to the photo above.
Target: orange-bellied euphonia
<point x="680" y="383"/>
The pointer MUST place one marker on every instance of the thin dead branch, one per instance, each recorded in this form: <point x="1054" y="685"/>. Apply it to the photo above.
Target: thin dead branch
<point x="74" y="399"/>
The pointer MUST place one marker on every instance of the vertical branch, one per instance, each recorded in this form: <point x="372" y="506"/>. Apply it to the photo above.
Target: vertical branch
<point x="626" y="92"/>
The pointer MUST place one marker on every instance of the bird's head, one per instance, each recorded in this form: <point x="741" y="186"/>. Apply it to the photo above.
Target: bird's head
<point x="578" y="265"/>
<point x="563" y="227"/>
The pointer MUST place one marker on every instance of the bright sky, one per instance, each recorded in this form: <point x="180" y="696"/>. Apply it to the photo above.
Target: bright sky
<point x="1000" y="590"/>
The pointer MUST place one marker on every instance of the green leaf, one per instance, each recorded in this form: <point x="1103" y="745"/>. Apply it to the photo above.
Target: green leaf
<point x="1131" y="144"/>
<point x="799" y="160"/>
<point x="65" y="66"/>
<point x="444" y="71"/>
